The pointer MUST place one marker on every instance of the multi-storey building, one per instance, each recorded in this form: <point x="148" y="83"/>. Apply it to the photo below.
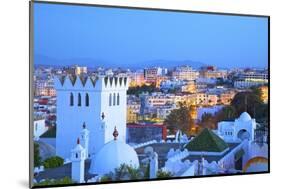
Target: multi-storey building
<point x="250" y="79"/>
<point x="206" y="99"/>
<point x="211" y="72"/>
<point x="132" y="116"/>
<point x="44" y="88"/>
<point x="75" y="70"/>
<point x="185" y="73"/>
<point x="151" y="74"/>
<point x="189" y="87"/>
<point x="133" y="111"/>
<point x="226" y="97"/>
<point x="137" y="78"/>
<point x="159" y="99"/>
<point x="264" y="93"/>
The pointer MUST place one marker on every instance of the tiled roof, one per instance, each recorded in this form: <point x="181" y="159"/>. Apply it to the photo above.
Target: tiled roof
<point x="207" y="141"/>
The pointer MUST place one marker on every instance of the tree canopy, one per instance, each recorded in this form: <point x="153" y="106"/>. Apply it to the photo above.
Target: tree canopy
<point x="246" y="101"/>
<point x="164" y="174"/>
<point x="123" y="172"/>
<point x="53" y="162"/>
<point x="179" y="119"/>
<point x="50" y="182"/>
<point x="37" y="158"/>
<point x="140" y="89"/>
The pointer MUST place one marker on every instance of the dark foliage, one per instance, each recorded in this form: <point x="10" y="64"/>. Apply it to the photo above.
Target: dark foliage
<point x="53" y="162"/>
<point x="164" y="174"/>
<point x="140" y="89"/>
<point x="49" y="182"/>
<point x="179" y="119"/>
<point x="37" y="158"/>
<point x="51" y="133"/>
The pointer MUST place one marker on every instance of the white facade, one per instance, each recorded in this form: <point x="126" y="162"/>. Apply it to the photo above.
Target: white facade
<point x="153" y="166"/>
<point x="185" y="73"/>
<point x="84" y="135"/>
<point x="240" y="129"/>
<point x="246" y="83"/>
<point x="78" y="156"/>
<point x="100" y="103"/>
<point x="39" y="128"/>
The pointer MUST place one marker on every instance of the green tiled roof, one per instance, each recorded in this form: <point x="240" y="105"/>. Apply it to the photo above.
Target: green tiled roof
<point x="207" y="141"/>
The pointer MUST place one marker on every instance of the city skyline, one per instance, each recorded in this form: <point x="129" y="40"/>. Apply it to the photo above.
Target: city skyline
<point x="167" y="41"/>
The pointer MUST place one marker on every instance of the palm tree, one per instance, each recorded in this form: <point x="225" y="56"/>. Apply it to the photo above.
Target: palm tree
<point x="120" y="172"/>
<point x="164" y="174"/>
<point x="134" y="173"/>
<point x="246" y="101"/>
<point x="125" y="172"/>
<point x="226" y="113"/>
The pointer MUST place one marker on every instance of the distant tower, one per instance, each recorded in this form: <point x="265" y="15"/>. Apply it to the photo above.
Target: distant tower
<point x="100" y="102"/>
<point x="153" y="166"/>
<point x="85" y="139"/>
<point x="78" y="156"/>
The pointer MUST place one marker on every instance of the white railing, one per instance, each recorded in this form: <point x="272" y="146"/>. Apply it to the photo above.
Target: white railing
<point x="144" y="144"/>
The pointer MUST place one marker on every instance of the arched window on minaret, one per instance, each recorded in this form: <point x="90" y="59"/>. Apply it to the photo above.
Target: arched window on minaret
<point x="71" y="99"/>
<point x="118" y="99"/>
<point x="114" y="99"/>
<point x="79" y="99"/>
<point x="110" y="99"/>
<point x="87" y="99"/>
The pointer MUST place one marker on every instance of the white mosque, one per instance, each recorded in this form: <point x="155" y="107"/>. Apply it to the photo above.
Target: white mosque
<point x="99" y="103"/>
<point x="111" y="156"/>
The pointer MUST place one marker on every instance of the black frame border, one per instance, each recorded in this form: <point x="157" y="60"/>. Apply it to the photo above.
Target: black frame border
<point x="31" y="90"/>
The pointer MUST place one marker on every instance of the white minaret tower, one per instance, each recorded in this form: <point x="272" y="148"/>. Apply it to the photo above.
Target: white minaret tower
<point x="85" y="139"/>
<point x="153" y="166"/>
<point x="100" y="102"/>
<point x="78" y="156"/>
<point x="204" y="168"/>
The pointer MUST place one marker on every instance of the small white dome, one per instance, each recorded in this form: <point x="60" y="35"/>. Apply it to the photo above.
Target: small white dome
<point x="245" y="117"/>
<point x="78" y="147"/>
<point x="111" y="156"/>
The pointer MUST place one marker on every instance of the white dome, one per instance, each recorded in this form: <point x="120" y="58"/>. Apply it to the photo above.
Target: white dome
<point x="245" y="117"/>
<point x="111" y="156"/>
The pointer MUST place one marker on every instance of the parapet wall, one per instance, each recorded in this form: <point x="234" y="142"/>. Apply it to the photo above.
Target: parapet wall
<point x="75" y="82"/>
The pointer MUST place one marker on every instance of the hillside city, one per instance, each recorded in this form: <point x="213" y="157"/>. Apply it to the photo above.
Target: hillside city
<point x="167" y="111"/>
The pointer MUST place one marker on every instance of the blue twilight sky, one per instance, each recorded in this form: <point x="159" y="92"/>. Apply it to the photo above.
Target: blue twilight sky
<point x="127" y="37"/>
